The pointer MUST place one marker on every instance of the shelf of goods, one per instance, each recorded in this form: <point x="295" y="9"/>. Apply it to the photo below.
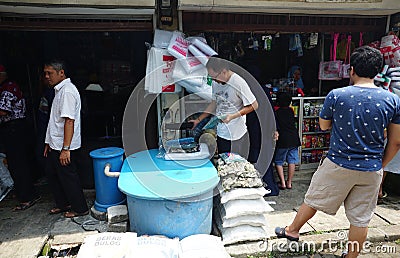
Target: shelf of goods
<point x="314" y="141"/>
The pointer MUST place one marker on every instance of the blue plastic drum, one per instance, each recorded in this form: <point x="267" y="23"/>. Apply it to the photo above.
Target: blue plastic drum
<point x="107" y="192"/>
<point x="169" y="198"/>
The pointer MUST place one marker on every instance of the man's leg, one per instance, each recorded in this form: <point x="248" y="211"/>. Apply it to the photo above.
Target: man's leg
<point x="357" y="236"/>
<point x="380" y="195"/>
<point x="291" y="169"/>
<point x="279" y="169"/>
<point x="303" y="215"/>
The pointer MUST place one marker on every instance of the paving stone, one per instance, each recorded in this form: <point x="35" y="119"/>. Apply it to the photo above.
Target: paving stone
<point x="389" y="213"/>
<point x="118" y="227"/>
<point x="23" y="247"/>
<point x="71" y="238"/>
<point x="116" y="214"/>
<point x="244" y="249"/>
<point x="376" y="234"/>
<point x="392" y="232"/>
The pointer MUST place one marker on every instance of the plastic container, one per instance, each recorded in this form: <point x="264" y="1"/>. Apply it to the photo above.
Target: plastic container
<point x="168" y="198"/>
<point x="107" y="192"/>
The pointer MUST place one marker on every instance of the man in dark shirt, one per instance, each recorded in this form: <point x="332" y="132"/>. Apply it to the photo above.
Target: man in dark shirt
<point x="13" y="134"/>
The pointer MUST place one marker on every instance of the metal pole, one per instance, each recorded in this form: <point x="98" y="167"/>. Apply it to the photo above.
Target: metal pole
<point x="322" y="59"/>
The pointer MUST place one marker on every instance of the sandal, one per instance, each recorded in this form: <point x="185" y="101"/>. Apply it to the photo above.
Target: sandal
<point x="59" y="210"/>
<point x="382" y="198"/>
<point x="26" y="205"/>
<point x="73" y="214"/>
<point x="281" y="187"/>
<point x="281" y="233"/>
<point x="287" y="186"/>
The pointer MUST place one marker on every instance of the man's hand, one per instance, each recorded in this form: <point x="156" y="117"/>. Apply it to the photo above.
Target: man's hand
<point x="276" y="135"/>
<point x="195" y="122"/>
<point x="65" y="157"/>
<point x="46" y="150"/>
<point x="227" y="118"/>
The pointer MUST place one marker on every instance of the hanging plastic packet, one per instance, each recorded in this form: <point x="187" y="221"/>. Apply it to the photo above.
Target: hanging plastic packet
<point x="313" y="39"/>
<point x="299" y="46"/>
<point x="267" y="42"/>
<point x="255" y="44"/>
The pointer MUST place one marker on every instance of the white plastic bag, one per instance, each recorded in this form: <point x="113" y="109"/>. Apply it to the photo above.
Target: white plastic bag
<point x="162" y="38"/>
<point x="178" y="46"/>
<point x="203" y="47"/>
<point x="159" y="68"/>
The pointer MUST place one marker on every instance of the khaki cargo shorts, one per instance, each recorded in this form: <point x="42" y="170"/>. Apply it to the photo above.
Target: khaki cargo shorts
<point x="331" y="185"/>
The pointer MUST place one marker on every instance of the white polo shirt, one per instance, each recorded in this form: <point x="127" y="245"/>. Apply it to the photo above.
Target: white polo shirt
<point x="66" y="104"/>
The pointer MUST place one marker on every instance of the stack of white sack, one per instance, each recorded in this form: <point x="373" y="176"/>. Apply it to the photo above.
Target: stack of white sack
<point x="159" y="68"/>
<point x="241" y="212"/>
<point x="195" y="82"/>
<point x="242" y="215"/>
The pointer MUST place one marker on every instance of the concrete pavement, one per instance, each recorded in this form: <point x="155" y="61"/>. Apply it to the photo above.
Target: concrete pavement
<point x="23" y="234"/>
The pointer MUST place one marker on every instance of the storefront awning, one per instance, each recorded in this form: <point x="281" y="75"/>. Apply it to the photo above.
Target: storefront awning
<point x="315" y="7"/>
<point x="19" y="16"/>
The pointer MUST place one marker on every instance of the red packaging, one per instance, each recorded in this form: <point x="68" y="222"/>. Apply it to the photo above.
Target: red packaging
<point x="308" y="141"/>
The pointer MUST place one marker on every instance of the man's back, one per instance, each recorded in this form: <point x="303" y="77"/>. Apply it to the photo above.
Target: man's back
<point x="359" y="116"/>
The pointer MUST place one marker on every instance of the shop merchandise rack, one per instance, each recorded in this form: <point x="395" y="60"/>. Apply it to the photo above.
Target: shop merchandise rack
<point x="314" y="141"/>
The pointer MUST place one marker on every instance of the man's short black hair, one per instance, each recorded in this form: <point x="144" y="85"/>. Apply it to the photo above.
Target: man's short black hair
<point x="366" y="61"/>
<point x="217" y="64"/>
<point x="283" y="99"/>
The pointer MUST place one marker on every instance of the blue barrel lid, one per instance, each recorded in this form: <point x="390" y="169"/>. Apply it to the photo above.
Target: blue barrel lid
<point x="104" y="153"/>
<point x="145" y="176"/>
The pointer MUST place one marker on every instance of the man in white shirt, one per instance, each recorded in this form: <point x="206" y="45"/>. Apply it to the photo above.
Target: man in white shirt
<point x="63" y="141"/>
<point x="232" y="100"/>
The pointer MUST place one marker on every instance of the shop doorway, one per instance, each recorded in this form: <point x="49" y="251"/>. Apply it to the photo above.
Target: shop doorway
<point x="113" y="60"/>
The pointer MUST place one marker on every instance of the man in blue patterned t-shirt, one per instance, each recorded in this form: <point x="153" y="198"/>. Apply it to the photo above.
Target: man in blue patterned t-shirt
<point x="351" y="174"/>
